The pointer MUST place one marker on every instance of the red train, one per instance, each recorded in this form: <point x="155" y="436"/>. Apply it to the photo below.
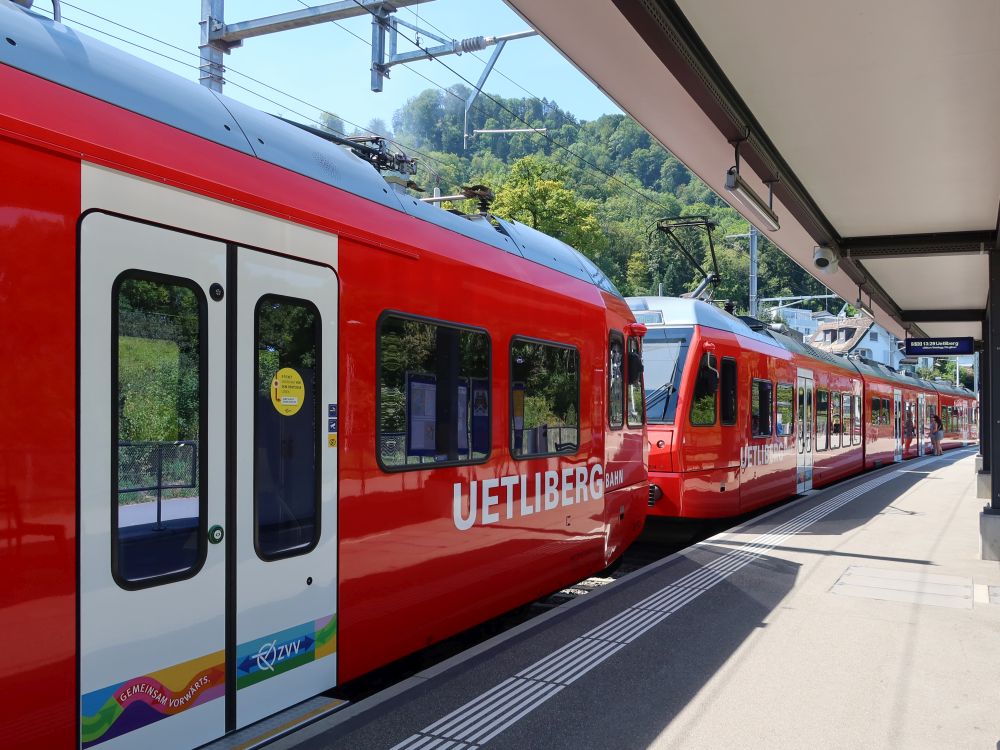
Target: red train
<point x="741" y="416"/>
<point x="272" y="423"/>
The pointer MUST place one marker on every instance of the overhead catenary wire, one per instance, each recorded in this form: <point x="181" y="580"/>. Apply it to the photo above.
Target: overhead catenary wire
<point x="407" y="67"/>
<point x="590" y="165"/>
<point x="427" y="157"/>
<point x="593" y="167"/>
<point x="77" y="22"/>
<point x="474" y="55"/>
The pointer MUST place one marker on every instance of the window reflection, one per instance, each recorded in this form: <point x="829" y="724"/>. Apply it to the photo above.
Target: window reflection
<point x="434" y="393"/>
<point x="636" y="394"/>
<point x="158" y="428"/>
<point x="286" y="429"/>
<point x="545" y="398"/>
<point x="616" y="380"/>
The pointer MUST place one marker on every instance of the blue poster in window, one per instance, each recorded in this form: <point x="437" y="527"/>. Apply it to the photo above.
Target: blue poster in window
<point x="421" y="414"/>
<point x="480" y="415"/>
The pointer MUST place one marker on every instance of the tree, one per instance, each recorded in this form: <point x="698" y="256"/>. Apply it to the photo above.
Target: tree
<point x="535" y="193"/>
<point x="419" y="120"/>
<point x="599" y="186"/>
<point x="332" y="123"/>
<point x="378" y="126"/>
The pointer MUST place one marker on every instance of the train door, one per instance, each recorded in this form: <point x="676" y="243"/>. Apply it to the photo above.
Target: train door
<point x="804" y="422"/>
<point x="286" y="437"/>
<point x="207" y="569"/>
<point x="897" y="423"/>
<point x="921" y="412"/>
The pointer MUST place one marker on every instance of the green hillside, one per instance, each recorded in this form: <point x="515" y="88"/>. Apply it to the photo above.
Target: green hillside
<point x="599" y="185"/>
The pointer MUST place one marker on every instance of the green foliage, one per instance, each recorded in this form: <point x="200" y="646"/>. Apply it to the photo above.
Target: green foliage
<point x="536" y="193"/>
<point x="149" y="391"/>
<point x="158" y="355"/>
<point x="945" y="368"/>
<point x="332" y="123"/>
<point x="703" y="409"/>
<point x="559" y="190"/>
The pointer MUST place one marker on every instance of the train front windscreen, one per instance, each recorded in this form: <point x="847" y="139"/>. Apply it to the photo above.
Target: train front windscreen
<point x="664" y="351"/>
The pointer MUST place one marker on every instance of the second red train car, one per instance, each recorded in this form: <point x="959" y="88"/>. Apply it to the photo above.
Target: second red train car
<point x="741" y="416"/>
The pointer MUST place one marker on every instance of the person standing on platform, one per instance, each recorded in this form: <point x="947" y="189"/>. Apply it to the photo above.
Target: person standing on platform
<point x="937" y="434"/>
<point x="909" y="431"/>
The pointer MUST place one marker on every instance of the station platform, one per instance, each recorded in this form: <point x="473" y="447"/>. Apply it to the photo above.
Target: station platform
<point x="857" y="616"/>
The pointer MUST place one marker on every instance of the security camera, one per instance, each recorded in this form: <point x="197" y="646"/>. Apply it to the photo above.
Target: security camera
<point x="825" y="259"/>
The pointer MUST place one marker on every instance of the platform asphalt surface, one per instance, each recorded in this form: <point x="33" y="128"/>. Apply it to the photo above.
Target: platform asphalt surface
<point x="856" y="616"/>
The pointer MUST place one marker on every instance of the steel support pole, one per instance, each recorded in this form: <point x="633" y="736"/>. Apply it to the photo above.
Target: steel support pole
<point x="211" y="71"/>
<point x="479" y="87"/>
<point x="991" y="393"/>
<point x="380" y="24"/>
<point x="985" y="366"/>
<point x="989" y="519"/>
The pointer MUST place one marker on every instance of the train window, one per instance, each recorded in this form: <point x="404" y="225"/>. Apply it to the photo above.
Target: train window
<point x="706" y="385"/>
<point x="760" y="407"/>
<point x="434" y="402"/>
<point x="846" y="420"/>
<point x="885" y="411"/>
<point x="159" y="424"/>
<point x="636" y="394"/>
<point x="664" y="352"/>
<point x="784" y="421"/>
<point x="856" y="430"/>
<point x="286" y="467"/>
<point x="835" y="423"/>
<point x="616" y="380"/>
<point x="875" y="410"/>
<point x="727" y="391"/>
<point x="822" y="419"/>
<point x="545" y="398"/>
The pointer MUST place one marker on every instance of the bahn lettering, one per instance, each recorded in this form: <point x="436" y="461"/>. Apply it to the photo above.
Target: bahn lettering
<point x="510" y="496"/>
<point x="614" y="478"/>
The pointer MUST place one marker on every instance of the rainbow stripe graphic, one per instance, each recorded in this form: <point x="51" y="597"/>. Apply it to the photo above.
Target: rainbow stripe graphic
<point x="267" y="657"/>
<point x="138" y="702"/>
<point x="116" y="710"/>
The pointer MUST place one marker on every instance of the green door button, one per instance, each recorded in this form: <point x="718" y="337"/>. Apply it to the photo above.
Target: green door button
<point x="215" y="534"/>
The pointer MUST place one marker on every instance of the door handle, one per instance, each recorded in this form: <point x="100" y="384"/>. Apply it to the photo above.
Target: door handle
<point x="216" y="534"/>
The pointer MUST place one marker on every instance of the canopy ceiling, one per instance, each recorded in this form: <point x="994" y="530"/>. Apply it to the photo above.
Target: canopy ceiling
<point x="880" y="121"/>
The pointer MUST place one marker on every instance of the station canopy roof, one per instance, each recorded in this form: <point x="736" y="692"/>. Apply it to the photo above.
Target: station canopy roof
<point x="880" y="122"/>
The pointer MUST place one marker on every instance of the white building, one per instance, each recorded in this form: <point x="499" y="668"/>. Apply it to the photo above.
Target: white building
<point x="858" y="335"/>
<point x="804" y="321"/>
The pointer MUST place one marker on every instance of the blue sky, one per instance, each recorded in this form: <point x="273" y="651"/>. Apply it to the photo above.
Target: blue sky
<point x="328" y="68"/>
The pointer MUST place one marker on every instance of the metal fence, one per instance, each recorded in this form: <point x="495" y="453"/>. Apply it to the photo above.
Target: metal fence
<point x="147" y="467"/>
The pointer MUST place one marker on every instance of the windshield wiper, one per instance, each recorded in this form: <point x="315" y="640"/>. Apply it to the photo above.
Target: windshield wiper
<point x="662" y="393"/>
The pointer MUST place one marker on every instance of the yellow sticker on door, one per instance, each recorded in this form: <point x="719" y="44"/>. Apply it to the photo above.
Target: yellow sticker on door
<point x="288" y="391"/>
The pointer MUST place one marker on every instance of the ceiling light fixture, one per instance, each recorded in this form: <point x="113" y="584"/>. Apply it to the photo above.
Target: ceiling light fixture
<point x="866" y="309"/>
<point x="742" y="192"/>
<point x="747" y="197"/>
